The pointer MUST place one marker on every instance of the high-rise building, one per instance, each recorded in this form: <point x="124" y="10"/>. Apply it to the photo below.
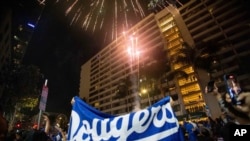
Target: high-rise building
<point x="17" y="22"/>
<point x="224" y="27"/>
<point x="197" y="23"/>
<point x="5" y="43"/>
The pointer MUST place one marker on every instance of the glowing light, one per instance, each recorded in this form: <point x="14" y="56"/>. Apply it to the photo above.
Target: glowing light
<point x="109" y="16"/>
<point x="31" y="25"/>
<point x="144" y="91"/>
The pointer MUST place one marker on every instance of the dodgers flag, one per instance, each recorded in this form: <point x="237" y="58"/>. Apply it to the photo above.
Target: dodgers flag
<point x="156" y="123"/>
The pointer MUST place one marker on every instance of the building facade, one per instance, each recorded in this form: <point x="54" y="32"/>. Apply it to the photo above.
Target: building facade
<point x="5" y="44"/>
<point x="216" y="23"/>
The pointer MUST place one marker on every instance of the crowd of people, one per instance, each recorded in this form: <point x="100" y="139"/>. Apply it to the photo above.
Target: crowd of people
<point x="49" y="130"/>
<point x="217" y="129"/>
<point x="203" y="130"/>
<point x="232" y="114"/>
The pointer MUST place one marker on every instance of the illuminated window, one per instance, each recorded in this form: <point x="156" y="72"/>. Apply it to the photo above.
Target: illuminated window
<point x="177" y="66"/>
<point x="166" y="21"/>
<point x="191" y="88"/>
<point x="97" y="104"/>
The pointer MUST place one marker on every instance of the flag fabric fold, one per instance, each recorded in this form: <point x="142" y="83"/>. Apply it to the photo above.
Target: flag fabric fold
<point x="157" y="122"/>
<point x="43" y="100"/>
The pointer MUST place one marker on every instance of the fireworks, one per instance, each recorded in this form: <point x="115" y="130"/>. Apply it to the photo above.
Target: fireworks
<point x="109" y="17"/>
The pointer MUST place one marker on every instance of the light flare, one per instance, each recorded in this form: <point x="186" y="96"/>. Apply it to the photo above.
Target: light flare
<point x="134" y="61"/>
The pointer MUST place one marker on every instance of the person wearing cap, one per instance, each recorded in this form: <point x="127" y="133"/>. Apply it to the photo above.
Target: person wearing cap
<point x="18" y="136"/>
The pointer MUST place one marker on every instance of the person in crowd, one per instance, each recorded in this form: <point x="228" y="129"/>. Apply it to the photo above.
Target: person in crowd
<point x="3" y="126"/>
<point x="11" y="136"/>
<point x="238" y="114"/>
<point x="245" y="106"/>
<point x="54" y="131"/>
<point x="224" y="118"/>
<point x="205" y="134"/>
<point x="18" y="136"/>
<point x="184" y="131"/>
<point x="39" y="135"/>
<point x="191" y="129"/>
<point x="72" y="101"/>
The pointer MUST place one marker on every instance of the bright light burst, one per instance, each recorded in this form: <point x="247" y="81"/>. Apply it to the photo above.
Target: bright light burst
<point x="109" y="17"/>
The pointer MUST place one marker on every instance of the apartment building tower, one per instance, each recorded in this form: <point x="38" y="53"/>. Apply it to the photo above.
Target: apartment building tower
<point x="224" y="23"/>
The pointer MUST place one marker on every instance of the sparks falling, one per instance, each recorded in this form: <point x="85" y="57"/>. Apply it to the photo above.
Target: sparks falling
<point x="108" y="16"/>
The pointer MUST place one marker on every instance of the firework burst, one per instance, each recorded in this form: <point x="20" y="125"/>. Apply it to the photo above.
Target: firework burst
<point x="108" y="17"/>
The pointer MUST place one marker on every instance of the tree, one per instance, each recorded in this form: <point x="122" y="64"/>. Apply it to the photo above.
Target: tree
<point x="22" y="88"/>
<point x="200" y="56"/>
<point x="158" y="71"/>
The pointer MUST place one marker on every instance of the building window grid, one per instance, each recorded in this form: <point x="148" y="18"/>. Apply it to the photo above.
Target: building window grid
<point x="190" y="88"/>
<point x="195" y="108"/>
<point x="195" y="15"/>
<point x="94" y="62"/>
<point x="168" y="33"/>
<point x="171" y="43"/>
<point x="223" y="7"/>
<point x="184" y="81"/>
<point x="228" y="15"/>
<point x="174" y="45"/>
<point x="165" y="20"/>
<point x="151" y="40"/>
<point x="193" y="97"/>
<point x="173" y="39"/>
<point x="167" y="27"/>
<point x="189" y="69"/>
<point x="173" y="51"/>
<point x="177" y="66"/>
<point x="95" y="67"/>
<point x="147" y="31"/>
<point x="94" y="72"/>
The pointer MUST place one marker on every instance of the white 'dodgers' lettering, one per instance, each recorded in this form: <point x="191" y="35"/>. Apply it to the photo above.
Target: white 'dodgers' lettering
<point x="118" y="127"/>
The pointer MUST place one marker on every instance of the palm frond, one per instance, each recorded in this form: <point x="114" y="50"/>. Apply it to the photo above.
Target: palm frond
<point x="175" y="73"/>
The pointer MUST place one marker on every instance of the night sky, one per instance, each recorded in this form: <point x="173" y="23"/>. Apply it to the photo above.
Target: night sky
<point x="57" y="48"/>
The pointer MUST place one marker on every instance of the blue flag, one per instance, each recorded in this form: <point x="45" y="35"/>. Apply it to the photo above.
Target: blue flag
<point x="157" y="122"/>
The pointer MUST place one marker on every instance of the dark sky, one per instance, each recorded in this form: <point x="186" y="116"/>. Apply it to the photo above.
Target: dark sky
<point x="59" y="50"/>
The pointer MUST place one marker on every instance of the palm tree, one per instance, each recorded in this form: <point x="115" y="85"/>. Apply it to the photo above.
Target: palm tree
<point x="152" y="73"/>
<point x="156" y="72"/>
<point x="122" y="88"/>
<point x="191" y="55"/>
<point x="200" y="56"/>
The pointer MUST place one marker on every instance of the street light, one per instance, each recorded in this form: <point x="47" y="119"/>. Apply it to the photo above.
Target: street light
<point x="145" y="91"/>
